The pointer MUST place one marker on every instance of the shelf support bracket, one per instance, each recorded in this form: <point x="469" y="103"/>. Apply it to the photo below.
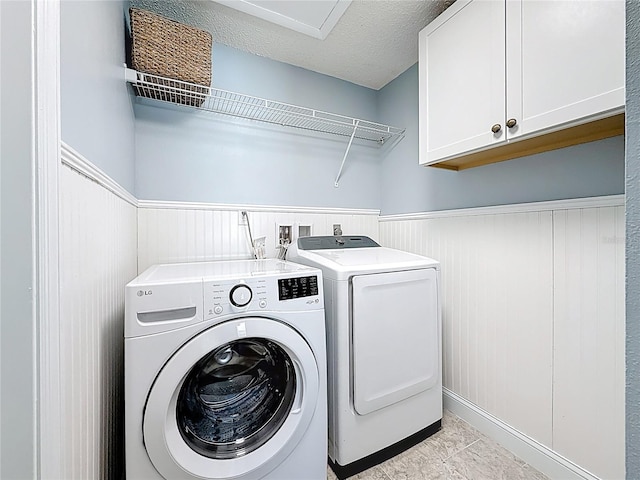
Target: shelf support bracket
<point x="353" y="134"/>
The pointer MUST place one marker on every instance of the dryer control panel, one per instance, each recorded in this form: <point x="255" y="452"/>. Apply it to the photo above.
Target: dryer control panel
<point x="290" y="293"/>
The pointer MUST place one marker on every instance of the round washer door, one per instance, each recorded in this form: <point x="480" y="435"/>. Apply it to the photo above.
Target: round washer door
<point x="233" y="402"/>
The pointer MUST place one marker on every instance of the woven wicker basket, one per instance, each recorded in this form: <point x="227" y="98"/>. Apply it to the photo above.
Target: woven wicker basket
<point x="170" y="49"/>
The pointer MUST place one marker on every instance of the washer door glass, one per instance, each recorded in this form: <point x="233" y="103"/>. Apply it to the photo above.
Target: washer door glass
<point x="233" y="401"/>
<point x="236" y="398"/>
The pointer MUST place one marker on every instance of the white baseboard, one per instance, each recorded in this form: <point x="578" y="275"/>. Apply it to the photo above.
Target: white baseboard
<point x="540" y="457"/>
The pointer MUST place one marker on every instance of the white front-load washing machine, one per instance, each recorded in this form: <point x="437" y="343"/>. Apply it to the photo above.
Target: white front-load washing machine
<point x="383" y="347"/>
<point x="225" y="372"/>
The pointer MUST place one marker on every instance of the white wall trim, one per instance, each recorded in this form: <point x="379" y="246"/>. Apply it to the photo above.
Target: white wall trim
<point x="76" y="161"/>
<point x="46" y="91"/>
<point x="534" y="453"/>
<point x="568" y="204"/>
<point x="80" y="164"/>
<point x="253" y="208"/>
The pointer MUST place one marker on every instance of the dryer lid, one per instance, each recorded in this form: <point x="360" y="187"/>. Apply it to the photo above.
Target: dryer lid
<point x="343" y="263"/>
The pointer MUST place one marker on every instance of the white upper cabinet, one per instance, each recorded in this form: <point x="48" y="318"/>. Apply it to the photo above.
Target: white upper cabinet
<point x="462" y="79"/>
<point x="493" y="72"/>
<point x="565" y="61"/>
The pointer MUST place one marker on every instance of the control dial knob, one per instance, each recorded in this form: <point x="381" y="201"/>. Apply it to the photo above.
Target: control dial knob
<point x="240" y="295"/>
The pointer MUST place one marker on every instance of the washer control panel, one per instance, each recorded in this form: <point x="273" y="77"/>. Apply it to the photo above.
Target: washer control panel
<point x="293" y="292"/>
<point x="297" y="287"/>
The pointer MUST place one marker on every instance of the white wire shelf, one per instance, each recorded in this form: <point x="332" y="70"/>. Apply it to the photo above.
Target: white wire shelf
<point x="260" y="109"/>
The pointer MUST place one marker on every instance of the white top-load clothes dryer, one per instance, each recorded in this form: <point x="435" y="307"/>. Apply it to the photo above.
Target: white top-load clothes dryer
<point x="383" y="318"/>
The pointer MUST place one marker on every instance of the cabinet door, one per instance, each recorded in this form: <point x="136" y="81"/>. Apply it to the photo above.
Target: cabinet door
<point x="462" y="80"/>
<point x="565" y="62"/>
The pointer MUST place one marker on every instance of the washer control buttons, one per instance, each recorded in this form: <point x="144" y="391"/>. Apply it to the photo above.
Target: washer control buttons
<point x="217" y="309"/>
<point x="262" y="303"/>
<point x="240" y="295"/>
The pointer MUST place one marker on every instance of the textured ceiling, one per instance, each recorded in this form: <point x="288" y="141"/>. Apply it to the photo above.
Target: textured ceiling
<point x="373" y="42"/>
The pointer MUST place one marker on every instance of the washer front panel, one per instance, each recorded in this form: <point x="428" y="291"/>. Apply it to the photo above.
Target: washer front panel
<point x="166" y="434"/>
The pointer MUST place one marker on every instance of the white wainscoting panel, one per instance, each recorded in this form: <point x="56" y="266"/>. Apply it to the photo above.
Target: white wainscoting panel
<point x="589" y="348"/>
<point x="173" y="234"/>
<point x="497" y="294"/>
<point x="533" y="321"/>
<point x="97" y="258"/>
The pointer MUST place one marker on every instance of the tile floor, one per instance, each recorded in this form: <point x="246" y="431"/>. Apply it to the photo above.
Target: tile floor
<point x="456" y="452"/>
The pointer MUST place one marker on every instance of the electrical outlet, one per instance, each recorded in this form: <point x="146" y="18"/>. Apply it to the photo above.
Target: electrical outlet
<point x="337" y="229"/>
<point x="285" y="234"/>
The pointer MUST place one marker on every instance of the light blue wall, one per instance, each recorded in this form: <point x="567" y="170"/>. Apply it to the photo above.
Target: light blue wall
<point x="96" y="106"/>
<point x="189" y="156"/>
<point x="184" y="155"/>
<point x="18" y="366"/>
<point x="633" y="241"/>
<point x="591" y="169"/>
<point x="262" y="77"/>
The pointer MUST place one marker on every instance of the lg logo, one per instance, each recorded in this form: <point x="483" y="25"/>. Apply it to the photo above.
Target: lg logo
<point x="142" y="293"/>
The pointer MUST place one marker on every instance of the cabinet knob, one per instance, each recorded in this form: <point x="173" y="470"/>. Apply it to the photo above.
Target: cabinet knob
<point x="511" y="122"/>
<point x="496" y="128"/>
